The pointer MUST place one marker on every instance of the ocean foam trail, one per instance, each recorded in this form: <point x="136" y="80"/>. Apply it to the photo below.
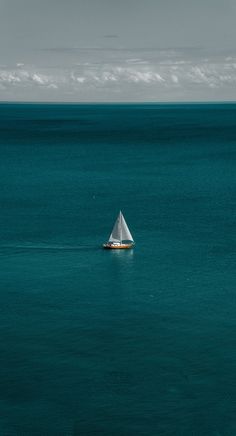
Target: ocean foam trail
<point x="45" y="247"/>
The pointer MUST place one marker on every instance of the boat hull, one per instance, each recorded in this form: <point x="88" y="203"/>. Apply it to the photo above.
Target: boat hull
<point x="117" y="247"/>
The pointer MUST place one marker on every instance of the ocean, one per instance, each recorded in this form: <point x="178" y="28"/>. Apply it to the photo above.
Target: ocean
<point x="118" y="343"/>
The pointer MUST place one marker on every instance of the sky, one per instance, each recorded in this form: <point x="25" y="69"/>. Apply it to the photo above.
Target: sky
<point x="115" y="51"/>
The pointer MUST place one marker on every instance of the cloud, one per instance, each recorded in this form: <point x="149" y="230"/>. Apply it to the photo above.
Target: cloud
<point x="39" y="79"/>
<point x="150" y="75"/>
<point x="175" y="78"/>
<point x="136" y="61"/>
<point x="24" y="78"/>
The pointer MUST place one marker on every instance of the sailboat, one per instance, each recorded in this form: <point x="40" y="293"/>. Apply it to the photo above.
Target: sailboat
<point x="120" y="236"/>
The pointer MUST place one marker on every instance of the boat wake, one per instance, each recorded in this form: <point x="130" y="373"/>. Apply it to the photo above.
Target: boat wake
<point x="39" y="247"/>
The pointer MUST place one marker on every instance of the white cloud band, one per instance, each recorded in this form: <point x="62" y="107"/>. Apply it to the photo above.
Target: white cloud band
<point x="146" y="77"/>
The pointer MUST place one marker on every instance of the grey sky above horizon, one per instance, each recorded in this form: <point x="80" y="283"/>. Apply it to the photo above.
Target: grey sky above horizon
<point x="109" y="50"/>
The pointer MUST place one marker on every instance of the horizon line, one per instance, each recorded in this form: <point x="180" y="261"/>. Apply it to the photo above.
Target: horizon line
<point x="119" y="102"/>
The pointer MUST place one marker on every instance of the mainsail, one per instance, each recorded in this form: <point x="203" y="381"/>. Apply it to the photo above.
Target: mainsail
<point x="120" y="230"/>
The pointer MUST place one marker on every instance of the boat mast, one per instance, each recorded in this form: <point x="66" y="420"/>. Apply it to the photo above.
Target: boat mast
<point x="120" y="227"/>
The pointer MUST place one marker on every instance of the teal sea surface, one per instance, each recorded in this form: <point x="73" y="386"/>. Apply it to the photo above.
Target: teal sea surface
<point x="118" y="343"/>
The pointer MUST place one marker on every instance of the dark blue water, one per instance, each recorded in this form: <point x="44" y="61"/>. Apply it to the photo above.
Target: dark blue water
<point x="139" y="342"/>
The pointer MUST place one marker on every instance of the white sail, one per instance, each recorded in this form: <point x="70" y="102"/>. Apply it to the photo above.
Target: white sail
<point x="120" y="231"/>
<point x="126" y="235"/>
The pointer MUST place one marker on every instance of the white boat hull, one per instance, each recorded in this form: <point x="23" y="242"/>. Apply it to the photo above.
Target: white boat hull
<point x="109" y="245"/>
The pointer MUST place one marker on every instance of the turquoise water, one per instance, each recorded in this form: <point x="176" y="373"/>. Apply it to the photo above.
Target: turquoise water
<point x="139" y="342"/>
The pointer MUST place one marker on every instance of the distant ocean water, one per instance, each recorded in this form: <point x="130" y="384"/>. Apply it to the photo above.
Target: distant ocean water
<point x="139" y="342"/>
